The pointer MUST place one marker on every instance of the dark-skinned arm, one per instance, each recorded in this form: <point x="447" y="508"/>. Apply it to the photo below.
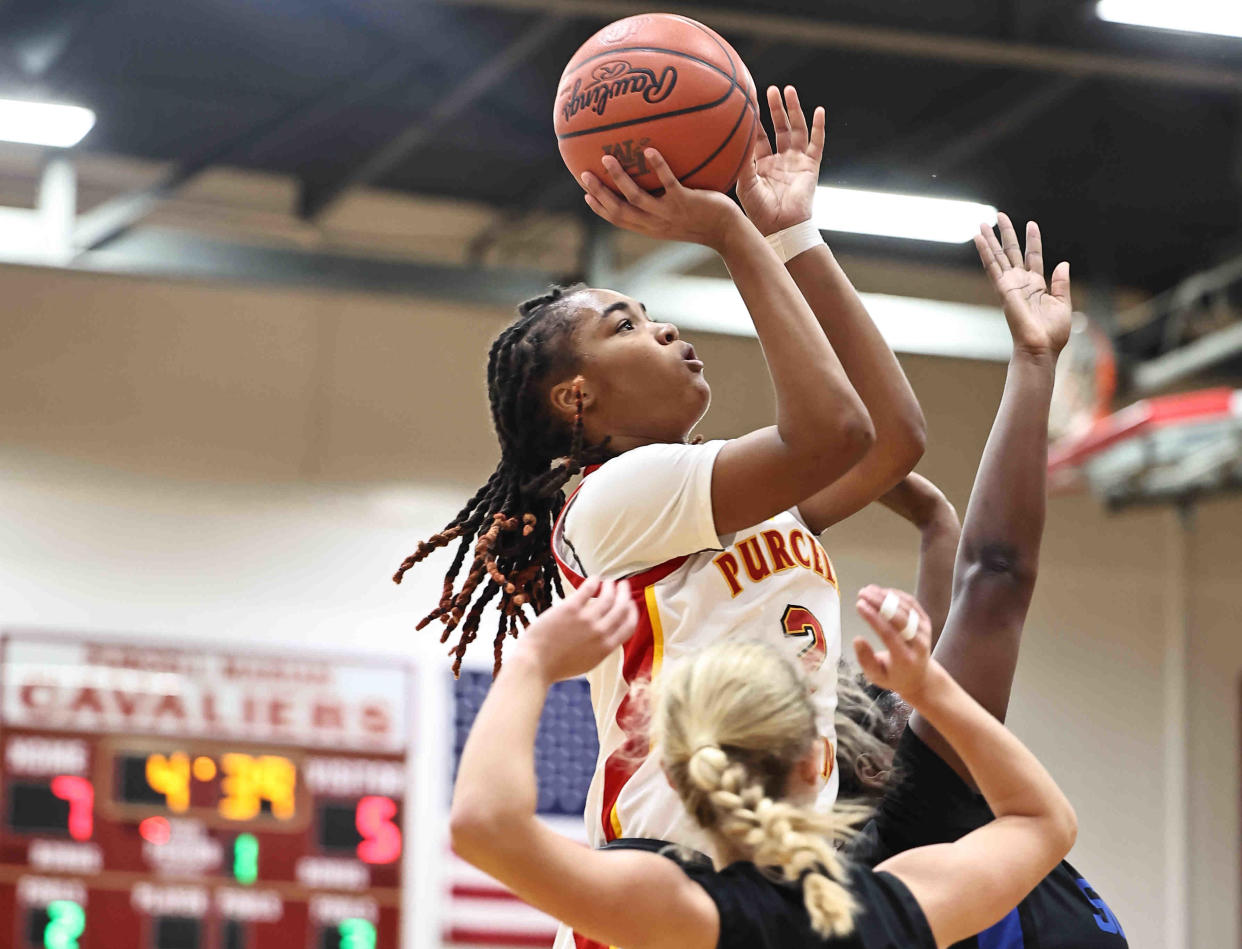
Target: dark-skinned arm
<point x="822" y="428"/>
<point x="777" y="191"/>
<point x="924" y="505"/>
<point x="900" y="430"/>
<point x="998" y="557"/>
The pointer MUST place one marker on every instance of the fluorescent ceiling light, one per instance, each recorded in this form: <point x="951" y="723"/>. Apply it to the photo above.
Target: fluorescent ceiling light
<point x="910" y="216"/>
<point x="909" y="324"/>
<point x="1223" y="17"/>
<point x="44" y="123"/>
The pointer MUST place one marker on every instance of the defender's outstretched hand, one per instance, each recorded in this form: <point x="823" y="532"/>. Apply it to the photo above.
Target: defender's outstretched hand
<point x="576" y="635"/>
<point x="904" y="628"/>
<point x="1038" y="314"/>
<point x="680" y="214"/>
<point x="777" y="188"/>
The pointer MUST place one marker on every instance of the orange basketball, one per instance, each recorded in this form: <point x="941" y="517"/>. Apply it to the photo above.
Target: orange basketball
<point x="661" y="81"/>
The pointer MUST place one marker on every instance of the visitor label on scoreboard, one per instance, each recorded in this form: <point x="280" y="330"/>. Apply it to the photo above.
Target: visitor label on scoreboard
<point x="66" y="685"/>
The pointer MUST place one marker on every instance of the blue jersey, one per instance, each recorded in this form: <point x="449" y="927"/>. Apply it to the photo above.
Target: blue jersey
<point x="928" y="803"/>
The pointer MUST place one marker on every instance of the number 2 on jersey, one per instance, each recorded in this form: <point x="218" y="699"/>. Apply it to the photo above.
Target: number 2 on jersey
<point x="800" y="622"/>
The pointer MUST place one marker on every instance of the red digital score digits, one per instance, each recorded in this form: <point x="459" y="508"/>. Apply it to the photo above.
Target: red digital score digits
<point x="381" y="838"/>
<point x="80" y="794"/>
<point x="147" y="799"/>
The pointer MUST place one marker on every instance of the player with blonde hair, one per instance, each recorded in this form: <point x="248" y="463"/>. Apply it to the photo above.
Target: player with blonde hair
<point x="738" y="740"/>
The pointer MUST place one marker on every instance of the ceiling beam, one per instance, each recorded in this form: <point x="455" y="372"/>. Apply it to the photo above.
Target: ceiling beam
<point x="669" y="258"/>
<point x="967" y="144"/>
<point x="816" y="32"/>
<point x="316" y="199"/>
<point x="39" y="34"/>
<point x="114" y="217"/>
<point x="1206" y="351"/>
<point x="703" y="304"/>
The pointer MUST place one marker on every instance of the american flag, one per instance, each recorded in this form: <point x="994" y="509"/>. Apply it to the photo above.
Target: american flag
<point x="481" y="912"/>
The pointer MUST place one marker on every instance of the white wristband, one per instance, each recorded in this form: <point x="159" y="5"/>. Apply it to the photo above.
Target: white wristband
<point x="793" y="241"/>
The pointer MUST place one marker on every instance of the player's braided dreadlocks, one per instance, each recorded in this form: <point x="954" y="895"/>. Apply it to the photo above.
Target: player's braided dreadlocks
<point x="509" y="521"/>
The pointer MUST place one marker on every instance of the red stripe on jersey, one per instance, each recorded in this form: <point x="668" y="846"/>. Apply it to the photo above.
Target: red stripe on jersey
<point x="464" y="935"/>
<point x="639" y="660"/>
<point x="639" y="657"/>
<point x="476" y="891"/>
<point x="581" y="942"/>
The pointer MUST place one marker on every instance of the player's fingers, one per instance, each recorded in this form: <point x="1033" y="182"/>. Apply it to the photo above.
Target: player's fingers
<point x="1034" y="249"/>
<point x="1060" y="285"/>
<point x="626" y="185"/>
<point x="888" y="618"/>
<point x="622" y="619"/>
<point x="763" y="145"/>
<point x="663" y="171"/>
<point x="1009" y="239"/>
<point x="871" y="615"/>
<point x="797" y="119"/>
<point x="986" y="257"/>
<point x="780" y="120"/>
<point x="598" y="208"/>
<point x="905" y="614"/>
<point x="818" y="121"/>
<point x="616" y="607"/>
<point x="994" y="247"/>
<point x="586" y="589"/>
<point x="913" y="620"/>
<point x="604" y="196"/>
<point x="611" y="206"/>
<point x="872" y="665"/>
<point x="598" y="605"/>
<point x="747" y="173"/>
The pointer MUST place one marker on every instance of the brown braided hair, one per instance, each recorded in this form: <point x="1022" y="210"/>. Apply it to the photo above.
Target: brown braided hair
<point x="508" y="522"/>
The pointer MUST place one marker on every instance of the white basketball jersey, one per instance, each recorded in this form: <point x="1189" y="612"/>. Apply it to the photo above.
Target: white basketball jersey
<point x="647" y="515"/>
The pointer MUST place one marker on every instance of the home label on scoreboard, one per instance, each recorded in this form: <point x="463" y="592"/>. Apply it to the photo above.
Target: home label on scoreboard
<point x="197" y="798"/>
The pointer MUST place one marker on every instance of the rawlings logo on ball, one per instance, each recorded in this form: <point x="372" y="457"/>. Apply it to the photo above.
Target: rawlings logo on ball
<point x="617" y="78"/>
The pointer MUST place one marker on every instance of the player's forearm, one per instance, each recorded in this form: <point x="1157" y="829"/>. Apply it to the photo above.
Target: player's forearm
<point x="1010" y="778"/>
<point x="918" y="501"/>
<point x="900" y="429"/>
<point x="1005" y="517"/>
<point x="496" y="786"/>
<point x="937" y="550"/>
<point x="815" y="400"/>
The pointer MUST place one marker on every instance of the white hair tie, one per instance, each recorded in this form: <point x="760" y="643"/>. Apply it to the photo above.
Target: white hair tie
<point x="912" y="626"/>
<point x="888" y="608"/>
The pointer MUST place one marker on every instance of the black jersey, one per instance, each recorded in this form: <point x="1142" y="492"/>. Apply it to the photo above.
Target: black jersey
<point x="759" y="913"/>
<point x="930" y="804"/>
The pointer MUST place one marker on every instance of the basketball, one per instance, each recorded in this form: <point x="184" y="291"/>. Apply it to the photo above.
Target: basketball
<point x="660" y="81"/>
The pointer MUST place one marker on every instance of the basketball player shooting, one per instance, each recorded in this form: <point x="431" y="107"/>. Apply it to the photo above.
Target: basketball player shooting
<point x="718" y="540"/>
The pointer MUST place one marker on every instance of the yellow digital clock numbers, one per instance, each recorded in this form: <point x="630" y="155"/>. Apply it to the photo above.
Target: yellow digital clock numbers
<point x="246" y="782"/>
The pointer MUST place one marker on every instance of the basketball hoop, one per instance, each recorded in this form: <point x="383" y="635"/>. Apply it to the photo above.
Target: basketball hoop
<point x="1170" y="448"/>
<point x="1086" y="379"/>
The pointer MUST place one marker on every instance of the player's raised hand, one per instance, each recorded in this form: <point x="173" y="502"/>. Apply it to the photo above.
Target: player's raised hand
<point x="905" y="630"/>
<point x="1038" y="314"/>
<point x="576" y="634"/>
<point x="777" y="188"/>
<point x="679" y="214"/>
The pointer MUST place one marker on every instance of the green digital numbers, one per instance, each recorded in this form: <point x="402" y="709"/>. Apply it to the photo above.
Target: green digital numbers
<point x="65" y="922"/>
<point x="246" y="859"/>
<point x="356" y="934"/>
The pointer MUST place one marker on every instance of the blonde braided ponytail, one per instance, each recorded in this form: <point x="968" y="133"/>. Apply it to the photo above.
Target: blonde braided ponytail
<point x="732" y="722"/>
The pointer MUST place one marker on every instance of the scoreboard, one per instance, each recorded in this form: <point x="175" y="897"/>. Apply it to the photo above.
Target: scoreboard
<point x="156" y="797"/>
